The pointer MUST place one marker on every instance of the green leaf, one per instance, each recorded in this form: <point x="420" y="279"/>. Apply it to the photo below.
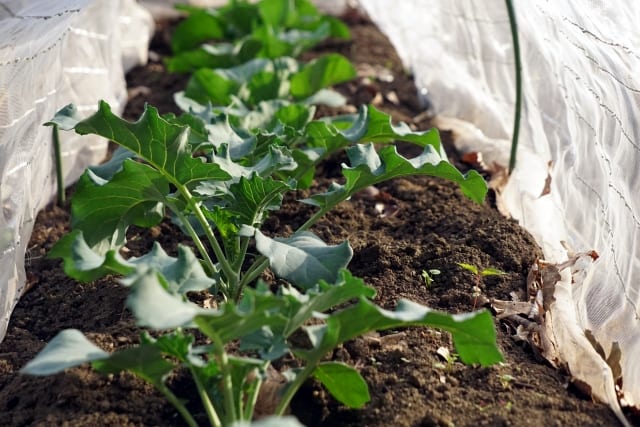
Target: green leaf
<point x="369" y="125"/>
<point x="263" y="86"/>
<point x="304" y="258"/>
<point x="369" y="168"/>
<point x="67" y="349"/>
<point x="322" y="297"/>
<point x="66" y="118"/>
<point x="276" y="159"/>
<point x="154" y="307"/>
<point x="175" y="344"/>
<point x="108" y="169"/>
<point x="104" y="211"/>
<point x="270" y="345"/>
<point x="251" y="198"/>
<point x="257" y="309"/>
<point x="197" y="28"/>
<point x="473" y="334"/>
<point x="83" y="263"/>
<point x="162" y="144"/>
<point x="492" y="272"/>
<point x="469" y="267"/>
<point x="206" y="85"/>
<point x="145" y="361"/>
<point x="320" y="73"/>
<point x="344" y="383"/>
<point x="183" y="274"/>
<point x="239" y="141"/>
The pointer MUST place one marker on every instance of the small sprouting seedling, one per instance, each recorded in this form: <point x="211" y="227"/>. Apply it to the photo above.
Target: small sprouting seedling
<point x="479" y="274"/>
<point x="506" y="380"/>
<point x="449" y="358"/>
<point x="427" y="275"/>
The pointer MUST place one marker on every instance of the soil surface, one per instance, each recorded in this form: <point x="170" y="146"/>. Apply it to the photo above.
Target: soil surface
<point x="425" y="224"/>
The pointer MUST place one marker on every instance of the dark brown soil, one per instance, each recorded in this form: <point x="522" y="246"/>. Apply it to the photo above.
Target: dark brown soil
<point x="432" y="227"/>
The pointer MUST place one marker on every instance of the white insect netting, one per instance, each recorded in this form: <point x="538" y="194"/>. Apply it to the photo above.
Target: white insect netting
<point x="581" y="97"/>
<point x="581" y="103"/>
<point x="53" y="53"/>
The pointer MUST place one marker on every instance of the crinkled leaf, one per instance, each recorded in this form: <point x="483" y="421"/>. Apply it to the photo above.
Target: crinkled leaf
<point x="473" y="334"/>
<point x="183" y="274"/>
<point x="67" y="349"/>
<point x="304" y="258"/>
<point x="369" y="168"/>
<point x="320" y="73"/>
<point x="223" y="220"/>
<point x="252" y="197"/>
<point x="239" y="141"/>
<point x="83" y="263"/>
<point x="277" y="158"/>
<point x="160" y="143"/>
<point x="145" y="361"/>
<point x="344" y="383"/>
<point x="154" y="307"/>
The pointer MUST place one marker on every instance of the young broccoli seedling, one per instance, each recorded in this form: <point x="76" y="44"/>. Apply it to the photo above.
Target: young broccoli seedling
<point x="479" y="275"/>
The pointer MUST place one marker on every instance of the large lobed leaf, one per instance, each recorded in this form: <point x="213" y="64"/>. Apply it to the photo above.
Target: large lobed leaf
<point x="369" y="168"/>
<point x="162" y="144"/>
<point x="473" y="334"/>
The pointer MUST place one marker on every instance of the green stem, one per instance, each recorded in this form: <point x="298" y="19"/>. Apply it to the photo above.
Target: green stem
<point x="206" y="402"/>
<point x="196" y="239"/>
<point x="227" y="382"/>
<point x="291" y="390"/>
<point x="253" y="272"/>
<point x="252" y="399"/>
<point x="58" y="157"/>
<point x="316" y="216"/>
<point x="227" y="269"/>
<point x="191" y="422"/>
<point x="518" y="65"/>
<point x="243" y="245"/>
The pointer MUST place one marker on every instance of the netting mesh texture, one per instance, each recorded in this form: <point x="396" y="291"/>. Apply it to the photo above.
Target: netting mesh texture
<point x="53" y="54"/>
<point x="581" y="101"/>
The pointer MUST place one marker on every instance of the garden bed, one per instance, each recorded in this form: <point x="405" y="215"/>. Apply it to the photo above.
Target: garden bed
<point x="412" y="225"/>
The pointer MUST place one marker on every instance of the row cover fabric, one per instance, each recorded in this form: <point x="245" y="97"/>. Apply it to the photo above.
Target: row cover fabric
<point x="53" y="53"/>
<point x="581" y="103"/>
